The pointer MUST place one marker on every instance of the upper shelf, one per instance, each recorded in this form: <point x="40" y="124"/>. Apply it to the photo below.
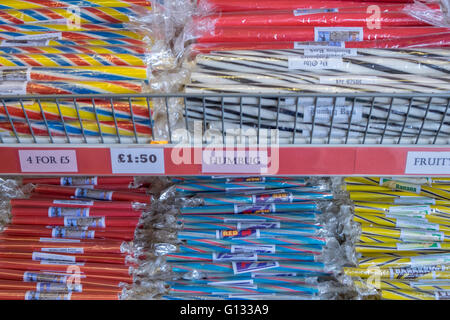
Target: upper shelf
<point x="294" y="134"/>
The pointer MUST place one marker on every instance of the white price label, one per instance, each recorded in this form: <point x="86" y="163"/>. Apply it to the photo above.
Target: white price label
<point x="48" y="160"/>
<point x="137" y="160"/>
<point x="324" y="113"/>
<point x="424" y="162"/>
<point x="314" y="63"/>
<point x="348" y="80"/>
<point x="235" y="161"/>
<point x="340" y="52"/>
<point x="334" y="34"/>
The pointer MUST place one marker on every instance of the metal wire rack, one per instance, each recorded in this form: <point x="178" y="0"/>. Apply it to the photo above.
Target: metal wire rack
<point x="316" y="119"/>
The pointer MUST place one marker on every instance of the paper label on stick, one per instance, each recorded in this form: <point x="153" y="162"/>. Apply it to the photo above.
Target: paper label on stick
<point x="64" y="250"/>
<point x="68" y="233"/>
<point x="278" y="197"/>
<point x="442" y="295"/>
<point x="270" y="248"/>
<point x="93" y="194"/>
<point x="239" y="234"/>
<point x="48" y="160"/>
<point x="58" y="287"/>
<point x="302" y="12"/>
<point x="431" y="259"/>
<point x="340" y="52"/>
<point x="24" y="43"/>
<point x="348" y="80"/>
<point x="421" y="209"/>
<point x="319" y="45"/>
<point x="419" y="235"/>
<point x="414" y="200"/>
<point x="338" y="34"/>
<point x="35" y="295"/>
<point x="44" y="277"/>
<point x="233" y="283"/>
<point x="245" y="267"/>
<point x="13" y="88"/>
<point x="258" y="225"/>
<point x="241" y="256"/>
<point x="402" y="246"/>
<point x="74" y="202"/>
<point x="68" y="212"/>
<point x="14" y="74"/>
<point x="93" y="222"/>
<point x="59" y="240"/>
<point x="63" y="263"/>
<point x="314" y="63"/>
<point x="416" y="224"/>
<point x="324" y="114"/>
<point x="424" y="162"/>
<point x="76" y="181"/>
<point x="50" y="256"/>
<point x="261" y="209"/>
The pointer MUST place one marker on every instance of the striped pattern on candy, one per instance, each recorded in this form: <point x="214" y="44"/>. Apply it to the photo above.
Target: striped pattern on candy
<point x="136" y="50"/>
<point x="103" y="110"/>
<point x="72" y="35"/>
<point x="60" y="27"/>
<point x="25" y="4"/>
<point x="89" y="128"/>
<point x="81" y="15"/>
<point x="81" y="87"/>
<point x="277" y="60"/>
<point x="73" y="43"/>
<point x="66" y="60"/>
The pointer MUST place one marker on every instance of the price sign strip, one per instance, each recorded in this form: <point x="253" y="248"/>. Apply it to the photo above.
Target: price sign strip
<point x="151" y="160"/>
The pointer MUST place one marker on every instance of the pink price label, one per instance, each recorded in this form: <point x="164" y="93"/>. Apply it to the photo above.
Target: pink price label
<point x="48" y="160"/>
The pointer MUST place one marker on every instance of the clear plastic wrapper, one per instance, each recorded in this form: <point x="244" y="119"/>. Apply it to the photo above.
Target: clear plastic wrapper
<point x="24" y="4"/>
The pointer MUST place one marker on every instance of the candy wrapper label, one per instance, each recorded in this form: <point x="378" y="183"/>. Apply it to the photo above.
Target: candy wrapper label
<point x="13" y="88"/>
<point x="233" y="283"/>
<point x="260" y="225"/>
<point x="414" y="235"/>
<point x="49" y="256"/>
<point x="411" y="273"/>
<point x="93" y="222"/>
<point x="68" y="212"/>
<point x="74" y="202"/>
<point x="93" y="194"/>
<point x="348" y="80"/>
<point x="399" y="185"/>
<point x="15" y="74"/>
<point x="237" y="220"/>
<point x="414" y="200"/>
<point x="302" y="12"/>
<point x="24" y="43"/>
<point x="74" y="181"/>
<point x="261" y="209"/>
<point x="59" y="240"/>
<point x="323" y="113"/>
<point x="245" y="179"/>
<point x="34" y="295"/>
<point x="314" y="63"/>
<point x="58" y="287"/>
<point x="41" y="36"/>
<point x="432" y="259"/>
<point x="238" y="234"/>
<point x="401" y="246"/>
<point x="67" y="233"/>
<point x="422" y="209"/>
<point x="319" y="45"/>
<point x="338" y="34"/>
<point x="64" y="250"/>
<point x="279" y="197"/>
<point x="415" y="224"/>
<point x="270" y="248"/>
<point x="245" y="267"/>
<point x="273" y="274"/>
<point x="340" y="52"/>
<point x="62" y="263"/>
<point x="45" y="277"/>
<point x="224" y="256"/>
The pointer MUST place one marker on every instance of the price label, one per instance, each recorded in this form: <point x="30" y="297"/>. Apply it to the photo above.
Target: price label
<point x="48" y="160"/>
<point x="137" y="160"/>
<point x="423" y="162"/>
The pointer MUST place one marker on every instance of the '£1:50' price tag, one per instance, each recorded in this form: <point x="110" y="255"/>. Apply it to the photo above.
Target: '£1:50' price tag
<point x="137" y="160"/>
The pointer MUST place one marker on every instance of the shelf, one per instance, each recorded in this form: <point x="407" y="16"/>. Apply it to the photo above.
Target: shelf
<point x="165" y="160"/>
